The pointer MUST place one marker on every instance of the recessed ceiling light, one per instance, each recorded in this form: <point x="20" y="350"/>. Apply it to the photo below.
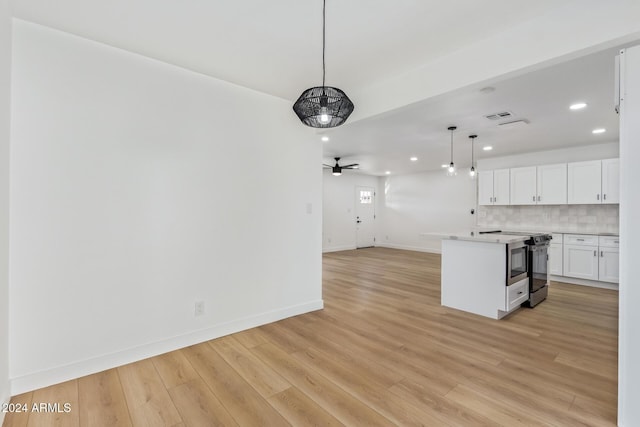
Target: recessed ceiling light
<point x="325" y="138"/>
<point x="487" y="148"/>
<point x="388" y="172"/>
<point x="445" y="166"/>
<point x="599" y="130"/>
<point x="577" y="106"/>
<point x="414" y="159"/>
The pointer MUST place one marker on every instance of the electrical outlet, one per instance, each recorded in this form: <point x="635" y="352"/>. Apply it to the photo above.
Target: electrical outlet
<point x="199" y="308"/>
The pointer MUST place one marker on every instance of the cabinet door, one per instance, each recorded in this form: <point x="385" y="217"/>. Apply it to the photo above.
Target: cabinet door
<point x="611" y="181"/>
<point x="609" y="265"/>
<point x="555" y="259"/>
<point x="523" y="186"/>
<point x="501" y="187"/>
<point x="552" y="184"/>
<point x="584" y="182"/>
<point x="485" y="188"/>
<point x="580" y="261"/>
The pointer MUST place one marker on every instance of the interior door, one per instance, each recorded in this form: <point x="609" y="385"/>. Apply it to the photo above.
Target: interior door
<point x="365" y="216"/>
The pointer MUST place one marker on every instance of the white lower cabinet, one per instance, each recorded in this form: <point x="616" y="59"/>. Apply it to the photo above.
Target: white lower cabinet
<point x="609" y="260"/>
<point x="516" y="294"/>
<point x="555" y="259"/>
<point x="581" y="261"/>
<point x="591" y="257"/>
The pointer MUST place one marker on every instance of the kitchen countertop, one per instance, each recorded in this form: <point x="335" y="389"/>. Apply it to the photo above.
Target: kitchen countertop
<point x="475" y="236"/>
<point x="547" y="231"/>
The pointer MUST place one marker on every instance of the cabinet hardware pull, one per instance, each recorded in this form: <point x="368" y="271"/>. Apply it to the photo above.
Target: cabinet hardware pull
<point x="601" y="254"/>
<point x="534" y="198"/>
<point x="519" y="292"/>
<point x="538" y="198"/>
<point x="604" y="197"/>
<point x="616" y="241"/>
<point x="597" y="196"/>
<point x="595" y="253"/>
<point x="580" y="240"/>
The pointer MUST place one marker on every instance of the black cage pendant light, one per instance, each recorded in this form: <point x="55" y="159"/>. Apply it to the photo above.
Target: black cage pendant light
<point x="323" y="106"/>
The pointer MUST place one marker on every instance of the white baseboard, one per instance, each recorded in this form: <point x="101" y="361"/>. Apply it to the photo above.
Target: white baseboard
<point x="408" y="248"/>
<point x="584" y="282"/>
<point x="339" y="248"/>
<point x="60" y="374"/>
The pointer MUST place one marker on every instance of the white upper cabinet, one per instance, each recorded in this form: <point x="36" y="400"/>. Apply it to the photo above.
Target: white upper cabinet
<point x="611" y="181"/>
<point x="493" y="187"/>
<point x="578" y="183"/>
<point x="584" y="182"/>
<point x="539" y="185"/>
<point x="552" y="188"/>
<point x="501" y="187"/>
<point x="594" y="182"/>
<point x="523" y="186"/>
<point x="485" y="188"/>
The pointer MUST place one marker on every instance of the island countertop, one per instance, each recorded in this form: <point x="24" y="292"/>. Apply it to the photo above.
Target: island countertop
<point x="477" y="236"/>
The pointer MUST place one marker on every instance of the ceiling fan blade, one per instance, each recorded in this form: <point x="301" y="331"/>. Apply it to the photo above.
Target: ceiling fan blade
<point x="351" y="166"/>
<point x="327" y="166"/>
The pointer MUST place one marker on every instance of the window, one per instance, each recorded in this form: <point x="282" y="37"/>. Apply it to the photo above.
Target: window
<point x="365" y="196"/>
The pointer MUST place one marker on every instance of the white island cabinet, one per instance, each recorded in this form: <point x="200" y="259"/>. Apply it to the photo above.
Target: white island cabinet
<point x="474" y="275"/>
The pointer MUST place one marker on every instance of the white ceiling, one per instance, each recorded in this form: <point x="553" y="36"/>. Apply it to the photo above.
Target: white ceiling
<point x="386" y="142"/>
<point x="275" y="47"/>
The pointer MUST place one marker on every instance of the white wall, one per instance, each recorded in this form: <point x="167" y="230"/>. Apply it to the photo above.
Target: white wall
<point x="629" y="317"/>
<point x="139" y="188"/>
<point x="424" y="202"/>
<point x="5" y="115"/>
<point x="338" y="208"/>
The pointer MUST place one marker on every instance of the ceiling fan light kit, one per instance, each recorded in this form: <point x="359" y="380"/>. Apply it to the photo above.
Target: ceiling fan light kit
<point x="336" y="170"/>
<point x="323" y="106"/>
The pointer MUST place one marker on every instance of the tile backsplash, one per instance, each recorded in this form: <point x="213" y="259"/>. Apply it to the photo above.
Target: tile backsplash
<point x="560" y="218"/>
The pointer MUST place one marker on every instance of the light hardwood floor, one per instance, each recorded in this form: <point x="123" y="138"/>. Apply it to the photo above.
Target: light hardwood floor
<point x="382" y="352"/>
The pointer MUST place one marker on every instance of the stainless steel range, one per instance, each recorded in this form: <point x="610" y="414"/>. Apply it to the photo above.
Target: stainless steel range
<point x="538" y="268"/>
<point x="537" y="264"/>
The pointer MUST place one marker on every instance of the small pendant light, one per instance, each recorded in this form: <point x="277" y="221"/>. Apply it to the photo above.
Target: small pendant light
<point x="472" y="171"/>
<point x="451" y="170"/>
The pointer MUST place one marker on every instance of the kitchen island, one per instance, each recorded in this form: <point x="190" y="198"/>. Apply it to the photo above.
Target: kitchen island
<point x="476" y="275"/>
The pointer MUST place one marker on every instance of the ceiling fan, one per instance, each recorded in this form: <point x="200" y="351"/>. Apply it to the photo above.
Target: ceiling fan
<point x="337" y="169"/>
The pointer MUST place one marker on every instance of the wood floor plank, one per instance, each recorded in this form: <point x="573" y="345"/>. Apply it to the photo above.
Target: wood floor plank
<point x="242" y="401"/>
<point x="174" y="369"/>
<point x="148" y="401"/>
<point x="198" y="406"/>
<point x="19" y="417"/>
<point x="325" y="393"/>
<point x="300" y="410"/>
<point x="59" y="395"/>
<point x="265" y="380"/>
<point x="101" y="400"/>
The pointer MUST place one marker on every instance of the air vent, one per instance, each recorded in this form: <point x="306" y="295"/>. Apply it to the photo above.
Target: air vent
<point x="498" y="116"/>
<point x="514" y="124"/>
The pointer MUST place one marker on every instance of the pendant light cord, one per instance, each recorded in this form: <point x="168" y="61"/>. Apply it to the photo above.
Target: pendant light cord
<point x="472" y="152"/>
<point x="451" y="145"/>
<point x="324" y="18"/>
